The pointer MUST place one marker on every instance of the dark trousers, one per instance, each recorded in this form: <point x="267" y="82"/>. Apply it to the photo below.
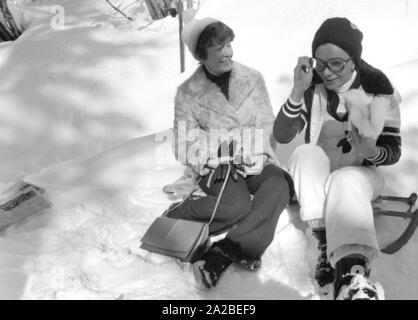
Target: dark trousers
<point x="255" y="220"/>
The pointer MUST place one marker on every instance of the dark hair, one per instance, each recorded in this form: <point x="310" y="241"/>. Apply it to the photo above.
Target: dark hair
<point x="217" y="33"/>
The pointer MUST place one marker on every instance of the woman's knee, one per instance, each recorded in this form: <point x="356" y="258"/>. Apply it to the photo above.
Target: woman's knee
<point x="344" y="177"/>
<point x="236" y="205"/>
<point x="308" y="155"/>
<point x="308" y="149"/>
<point x="279" y="182"/>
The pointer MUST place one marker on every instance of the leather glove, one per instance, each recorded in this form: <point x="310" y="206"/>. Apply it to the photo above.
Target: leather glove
<point x="225" y="154"/>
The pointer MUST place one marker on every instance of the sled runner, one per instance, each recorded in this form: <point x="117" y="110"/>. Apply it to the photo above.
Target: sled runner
<point x="21" y="201"/>
<point x="398" y="207"/>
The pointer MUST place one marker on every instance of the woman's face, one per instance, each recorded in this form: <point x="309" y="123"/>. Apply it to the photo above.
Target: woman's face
<point x="219" y="58"/>
<point x="334" y="79"/>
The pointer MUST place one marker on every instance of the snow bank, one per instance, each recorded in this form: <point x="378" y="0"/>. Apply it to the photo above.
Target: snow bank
<point x="80" y="88"/>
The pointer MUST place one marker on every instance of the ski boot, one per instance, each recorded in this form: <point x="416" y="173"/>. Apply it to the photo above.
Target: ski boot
<point x="352" y="281"/>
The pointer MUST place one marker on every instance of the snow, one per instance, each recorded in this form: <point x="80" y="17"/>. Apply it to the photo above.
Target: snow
<point x="85" y="112"/>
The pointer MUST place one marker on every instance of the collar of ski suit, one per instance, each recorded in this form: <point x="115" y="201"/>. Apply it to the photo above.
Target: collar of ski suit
<point x="328" y="101"/>
<point x="336" y="103"/>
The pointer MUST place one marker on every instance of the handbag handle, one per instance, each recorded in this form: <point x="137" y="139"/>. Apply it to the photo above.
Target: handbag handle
<point x="217" y="200"/>
<point x="220" y="193"/>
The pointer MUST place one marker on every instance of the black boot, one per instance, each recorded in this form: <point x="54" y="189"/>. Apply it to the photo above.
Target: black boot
<point x="250" y="263"/>
<point x="243" y="259"/>
<point x="324" y="273"/>
<point x="211" y="265"/>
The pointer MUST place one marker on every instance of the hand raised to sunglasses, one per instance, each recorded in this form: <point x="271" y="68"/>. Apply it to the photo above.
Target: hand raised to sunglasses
<point x="302" y="78"/>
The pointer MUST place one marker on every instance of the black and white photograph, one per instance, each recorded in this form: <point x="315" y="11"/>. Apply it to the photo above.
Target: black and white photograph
<point x="228" y="151"/>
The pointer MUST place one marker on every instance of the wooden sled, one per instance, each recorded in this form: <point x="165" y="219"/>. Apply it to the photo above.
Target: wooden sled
<point x="401" y="207"/>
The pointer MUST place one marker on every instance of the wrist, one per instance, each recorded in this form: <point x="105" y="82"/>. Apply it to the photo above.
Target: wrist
<point x="297" y="95"/>
<point x="373" y="155"/>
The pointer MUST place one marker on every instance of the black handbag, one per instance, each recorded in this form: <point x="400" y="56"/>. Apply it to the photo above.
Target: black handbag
<point x="179" y="238"/>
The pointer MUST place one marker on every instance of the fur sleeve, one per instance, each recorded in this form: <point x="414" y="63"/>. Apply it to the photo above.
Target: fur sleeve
<point x="191" y="143"/>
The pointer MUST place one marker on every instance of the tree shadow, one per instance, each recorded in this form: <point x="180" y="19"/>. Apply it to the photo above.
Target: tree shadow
<point x="71" y="92"/>
<point x="66" y="94"/>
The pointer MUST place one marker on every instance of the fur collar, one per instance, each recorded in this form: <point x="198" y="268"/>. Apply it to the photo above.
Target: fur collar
<point x="242" y="82"/>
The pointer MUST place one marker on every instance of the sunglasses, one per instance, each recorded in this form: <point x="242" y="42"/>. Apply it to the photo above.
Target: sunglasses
<point x="335" y="65"/>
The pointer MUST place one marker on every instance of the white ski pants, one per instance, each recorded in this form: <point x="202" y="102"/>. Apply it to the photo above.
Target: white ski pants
<point x="339" y="200"/>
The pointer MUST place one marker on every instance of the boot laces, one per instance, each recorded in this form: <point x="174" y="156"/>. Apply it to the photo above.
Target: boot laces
<point x="360" y="287"/>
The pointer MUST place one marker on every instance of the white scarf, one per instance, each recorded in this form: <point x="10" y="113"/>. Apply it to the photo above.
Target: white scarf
<point x="319" y="106"/>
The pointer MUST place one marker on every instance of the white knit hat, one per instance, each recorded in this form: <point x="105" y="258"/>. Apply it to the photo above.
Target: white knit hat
<point x="192" y="31"/>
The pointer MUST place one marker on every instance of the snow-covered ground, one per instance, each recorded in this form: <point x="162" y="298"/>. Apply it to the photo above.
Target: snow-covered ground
<point x="85" y="111"/>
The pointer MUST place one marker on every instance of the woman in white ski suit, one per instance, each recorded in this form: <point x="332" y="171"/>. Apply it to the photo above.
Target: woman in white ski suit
<point x="335" y="173"/>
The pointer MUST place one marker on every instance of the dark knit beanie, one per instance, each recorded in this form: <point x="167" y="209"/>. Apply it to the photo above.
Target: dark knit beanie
<point x="342" y="33"/>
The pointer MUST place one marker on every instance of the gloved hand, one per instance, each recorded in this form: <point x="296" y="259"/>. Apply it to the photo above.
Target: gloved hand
<point x="257" y="165"/>
<point x="365" y="147"/>
<point x="225" y="154"/>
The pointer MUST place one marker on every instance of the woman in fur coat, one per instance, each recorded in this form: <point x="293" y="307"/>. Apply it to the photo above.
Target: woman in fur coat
<point x="223" y="117"/>
<point x="350" y="116"/>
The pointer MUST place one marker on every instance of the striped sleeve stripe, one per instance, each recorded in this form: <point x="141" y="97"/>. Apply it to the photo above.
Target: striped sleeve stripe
<point x="381" y="156"/>
<point x="287" y="114"/>
<point x="290" y="110"/>
<point x="293" y="104"/>
<point x="391" y="131"/>
<point x="390" y="134"/>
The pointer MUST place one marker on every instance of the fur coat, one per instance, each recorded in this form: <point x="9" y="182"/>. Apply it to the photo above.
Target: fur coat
<point x="204" y="117"/>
